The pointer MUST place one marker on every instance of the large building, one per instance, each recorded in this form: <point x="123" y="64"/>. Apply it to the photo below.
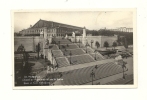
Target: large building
<point x="48" y="29"/>
<point x="51" y="28"/>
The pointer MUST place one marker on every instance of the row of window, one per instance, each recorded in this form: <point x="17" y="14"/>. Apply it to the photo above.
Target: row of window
<point x="42" y="30"/>
<point x="37" y="30"/>
<point x="54" y="30"/>
<point x="55" y="35"/>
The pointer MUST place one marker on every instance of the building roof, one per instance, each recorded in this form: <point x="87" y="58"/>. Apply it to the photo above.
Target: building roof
<point x="43" y="23"/>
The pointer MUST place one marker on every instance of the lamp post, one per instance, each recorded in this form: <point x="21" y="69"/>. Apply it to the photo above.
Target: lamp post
<point x="57" y="66"/>
<point x="95" y="54"/>
<point x="91" y="43"/>
<point x="79" y="43"/>
<point x="75" y="38"/>
<point x="92" y="74"/>
<point x="70" y="56"/>
<point x="52" y="56"/>
<point x="33" y="43"/>
<point x="59" y="44"/>
<point x="86" y="47"/>
<point x="38" y="49"/>
<point x="54" y="66"/>
<point x="123" y="64"/>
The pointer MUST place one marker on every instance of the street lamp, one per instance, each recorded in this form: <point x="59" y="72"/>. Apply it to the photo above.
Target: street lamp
<point x="57" y="66"/>
<point x="38" y="49"/>
<point x="86" y="47"/>
<point x="91" y="43"/>
<point x="59" y="44"/>
<point x="64" y="52"/>
<point x="95" y="54"/>
<point x="70" y="56"/>
<point x="52" y="56"/>
<point x="123" y="64"/>
<point x="53" y="65"/>
<point x="79" y="43"/>
<point x="75" y="38"/>
<point x="92" y="74"/>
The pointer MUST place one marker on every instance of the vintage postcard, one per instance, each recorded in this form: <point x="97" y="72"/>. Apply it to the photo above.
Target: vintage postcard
<point x="64" y="49"/>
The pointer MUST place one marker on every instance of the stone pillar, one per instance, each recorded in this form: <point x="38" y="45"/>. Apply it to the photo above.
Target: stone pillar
<point x="50" y="39"/>
<point x="44" y="42"/>
<point x="45" y="33"/>
<point x="73" y="34"/>
<point x="84" y="32"/>
<point x="66" y="36"/>
<point x="84" y="36"/>
<point x="43" y="47"/>
<point x="41" y="34"/>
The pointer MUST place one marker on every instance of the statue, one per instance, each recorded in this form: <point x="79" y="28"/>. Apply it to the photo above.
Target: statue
<point x="47" y="42"/>
<point x="73" y="34"/>
<point x="66" y="36"/>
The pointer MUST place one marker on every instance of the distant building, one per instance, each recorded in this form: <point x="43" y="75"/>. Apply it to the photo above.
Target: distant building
<point x="51" y="28"/>
<point x="122" y="29"/>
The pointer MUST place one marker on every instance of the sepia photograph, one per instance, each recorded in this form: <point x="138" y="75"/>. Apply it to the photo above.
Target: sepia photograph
<point x="74" y="48"/>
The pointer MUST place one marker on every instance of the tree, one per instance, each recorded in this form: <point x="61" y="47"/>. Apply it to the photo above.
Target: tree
<point x="114" y="44"/>
<point x="97" y="44"/>
<point x="20" y="48"/>
<point x="125" y="42"/>
<point x="118" y="39"/>
<point x="106" y="44"/>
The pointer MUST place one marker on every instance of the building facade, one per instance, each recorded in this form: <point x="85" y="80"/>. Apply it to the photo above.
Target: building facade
<point x="122" y="29"/>
<point x="50" y="28"/>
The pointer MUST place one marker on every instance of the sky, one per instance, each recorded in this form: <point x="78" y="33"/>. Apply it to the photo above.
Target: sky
<point x="93" y="20"/>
